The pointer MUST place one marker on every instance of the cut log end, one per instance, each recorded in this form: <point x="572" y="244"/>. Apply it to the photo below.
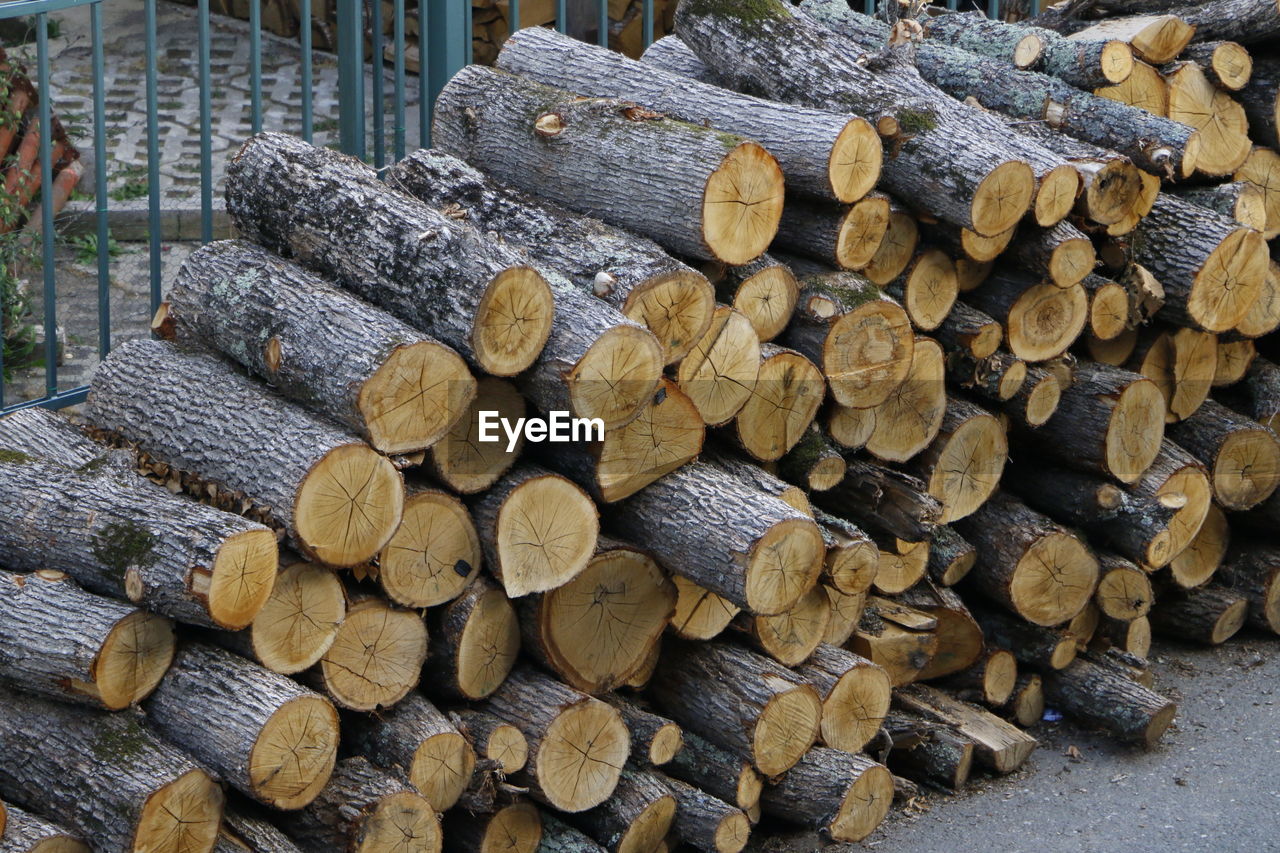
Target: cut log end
<point x="1116" y="61"/>
<point x="856" y="156"/>
<point x="1215" y="114"/>
<point x="896" y="249"/>
<point x="1071" y="261"/>
<point x="930" y="289"/>
<point x="910" y="418"/>
<point x="861" y="231"/>
<point x="867" y="353"/>
<point x="376" y="658"/>
<point x="298" y="623"/>
<point x="1002" y="198"/>
<point x="700" y="614"/>
<point x="434" y="553"/>
<point x="1229" y="282"/>
<point x="1200" y="559"/>
<point x="677" y="308"/>
<point x="513" y="321"/>
<point x="516" y="828"/>
<point x="968" y="466"/>
<point x="133" y="659"/>
<point x="790" y="637"/>
<point x="768" y="300"/>
<point x="865" y="805"/>
<point x="1112" y="194"/>
<point x="1028" y="52"/>
<point x="1193" y="484"/>
<point x="442" y="768"/>
<point x="788" y="391"/>
<point x="665" y="744"/>
<point x="1053" y="579"/>
<point x="785" y="729"/>
<point x="1247" y="468"/>
<point x="667" y="434"/>
<point x="466" y="464"/>
<point x="784" y="564"/>
<point x="720" y="372"/>
<point x="855" y="708"/>
<point x="403" y="821"/>
<point x="1056" y="195"/>
<point x="413" y="399"/>
<point x="244" y="570"/>
<point x="1109" y="312"/>
<point x="348" y="507"/>
<point x="649" y="827"/>
<point x="294" y="753"/>
<point x="742" y="204"/>
<point x="616" y="376"/>
<point x="1045" y="320"/>
<point x="182" y="817"/>
<point x="488" y="646"/>
<point x="547" y="529"/>
<point x="581" y="756"/>
<point x="1134" y="431"/>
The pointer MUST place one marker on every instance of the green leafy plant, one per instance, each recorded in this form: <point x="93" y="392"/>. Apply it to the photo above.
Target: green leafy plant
<point x="133" y="184"/>
<point x="17" y="333"/>
<point x="86" y="248"/>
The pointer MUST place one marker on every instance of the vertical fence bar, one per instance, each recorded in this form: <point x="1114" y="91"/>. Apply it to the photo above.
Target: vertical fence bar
<point x="351" y="77"/>
<point x="153" y="158"/>
<point x="206" y="128"/>
<point x="993" y="9"/>
<point x="602" y="21"/>
<point x="448" y="40"/>
<point x="515" y="16"/>
<point x="46" y="206"/>
<point x="398" y="35"/>
<point x="307" y="120"/>
<point x="470" y="30"/>
<point x="562" y="16"/>
<point x="646" y="13"/>
<point x="379" y="95"/>
<point x="100" y="200"/>
<point x="425" y="96"/>
<point x="255" y="63"/>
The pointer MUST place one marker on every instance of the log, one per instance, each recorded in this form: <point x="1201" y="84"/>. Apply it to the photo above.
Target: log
<point x="717" y="772"/>
<point x="990" y="681"/>
<point x="41" y="432"/>
<point x="850" y="428"/>
<point x="1242" y="456"/>
<point x="242" y="832"/>
<point x="1154" y="38"/>
<point x="1026" y="707"/>
<point x="1030" y="565"/>
<point x="962" y="465"/>
<point x="845" y="796"/>
<point x="434" y="554"/>
<point x="1115" y="352"/>
<point x="844" y="236"/>
<point x="852" y="560"/>
<point x="394" y="387"/>
<point x="903" y="652"/>
<point x="493" y="740"/>
<point x="1202" y="558"/>
<point x="475" y="639"/>
<point x="1260" y="168"/>
<point x="1040" y="320"/>
<point x="951" y="556"/>
<point x="636" y="817"/>
<point x="998" y="377"/>
<point x="1037" y="399"/>
<point x="1176" y="472"/>
<point x="1244" y="21"/>
<point x="670" y="53"/>
<point x="1033" y="645"/>
<point x="464" y="463"/>
<point x="883" y="499"/>
<point x="1209" y="616"/>
<point x="1182" y="363"/>
<point x="1124" y="590"/>
<point x="1099" y="696"/>
<point x="765" y="291"/>
<point x="1252" y="570"/>
<point x="560" y="837"/>
<point x="815" y="463"/>
<point x="897" y="248"/>
<point x="1234" y="358"/>
<point x="968" y="333"/>
<point x="364" y="809"/>
<point x="1196" y="102"/>
<point x="437" y="274"/>
<point x="855" y="696"/>
<point x="963" y="242"/>
<point x="1110" y="182"/>
<point x="928" y="752"/>
<point x="998" y="745"/>
<point x="118" y="536"/>
<point x="792" y="636"/>
<point x="720" y="374"/>
<point x="1258" y="395"/>
<point x="577" y="745"/>
<point x="516" y="828"/>
<point x="927" y="288"/>
<point x="62" y="642"/>
<point x="264" y="734"/>
<point x="1063" y="251"/>
<point x="788" y="390"/>
<point x="629" y="272"/>
<point x="655" y="740"/>
<point x="1239" y="200"/>
<point x="702" y="524"/>
<point x="106" y="777"/>
<point x="741" y="701"/>
<point x="959" y="639"/>
<point x="720" y="197"/>
<point x="902" y="564"/>
<point x="1259" y="98"/>
<point x="909" y="420"/>
<point x="24" y="832"/>
<point x="376" y="657"/>
<point x="700" y="613"/>
<point x="706" y="822"/>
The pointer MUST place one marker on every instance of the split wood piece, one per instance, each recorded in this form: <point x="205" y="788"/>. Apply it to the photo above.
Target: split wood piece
<point x="655" y="740"/>
<point x="1115" y="352"/>
<point x="1202" y="558"/>
<point x="951" y="556"/>
<point x="263" y="733"/>
<point x="1063" y="251"/>
<point x="438" y="274"/>
<point x="560" y="837"/>
<point x="635" y="818"/>
<point x="24" y="832"/>
<point x="845" y="236"/>
<point x="998" y="378"/>
<point x="1215" y="114"/>
<point x="700" y="613"/>
<point x="897" y="248"/>
<point x="998" y="745"/>
<point x="815" y="463"/>
<point x="902" y="564"/>
<point x="969" y="244"/>
<point x="629" y="272"/>
<point x="968" y="332"/>
<point x="703" y="524"/>
<point x="1101" y="696"/>
<point x="1154" y="38"/>
<point x="1261" y="100"/>
<point x="321" y="347"/>
<point x="474" y="642"/>
<point x="788" y="390"/>
<point x="577" y="745"/>
<point x="722" y="203"/>
<point x="765" y="291"/>
<point x="860" y="338"/>
<point x="365" y="810"/>
<point x="1227" y="64"/>
<point x="792" y="636"/>
<point x="514" y="828"/>
<point x="1253" y="570"/>
<point x="1040" y="320"/>
<point x="706" y="822"/>
<point x="784" y="56"/>
<point x="928" y="752"/>
<point x="1258" y="395"/>
<point x="158" y="800"/>
<point x="434" y="553"/>
<point x="900" y="650"/>
<point x="493" y="740"/>
<point x="855" y="696"/>
<point x="1109" y="420"/>
<point x="62" y="642"/>
<point x="118" y="536"/>
<point x="537" y="529"/>
<point x="909" y="420"/>
<point x="464" y="463"/>
<point x="927" y="288"/>
<point x="963" y="463"/>
<point x="1026" y="706"/>
<point x="846" y="613"/>
<point x="853" y="558"/>
<point x="882" y="499"/>
<point x="960" y="642"/>
<point x="822" y="154"/>
<point x="990" y="681"/>
<point x="1240" y="200"/>
<point x="1030" y="644"/>
<point x="1234" y="358"/>
<point x="719" y="374"/>
<point x="596" y="630"/>
<point x="1029" y="564"/>
<point x="1243" y="457"/>
<point x="718" y="772"/>
<point x="849" y="427"/>
<point x="1124" y="590"/>
<point x="1262" y="168"/>
<point x="845" y="796"/>
<point x="1111" y="183"/>
<point x="1207" y="615"/>
<point x="376" y="657"/>
<point x="1211" y="268"/>
<point x="339" y="500"/>
<point x="1182" y="362"/>
<point x="741" y="701"/>
<point x="1176" y="472"/>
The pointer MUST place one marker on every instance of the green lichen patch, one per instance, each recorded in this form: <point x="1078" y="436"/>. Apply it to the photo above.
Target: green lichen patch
<point x="13" y="457"/>
<point x="916" y="121"/>
<point x="95" y="464"/>
<point x="124" y="545"/>
<point x="121" y="740"/>
<point x="746" y="11"/>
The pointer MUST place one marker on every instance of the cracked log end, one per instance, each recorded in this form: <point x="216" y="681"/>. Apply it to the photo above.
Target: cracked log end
<point x="414" y="397"/>
<point x="700" y="614"/>
<point x="896" y="249"/>
<point x="667" y="434"/>
<point x="791" y="636"/>
<point x="300" y="619"/>
<point x="463" y="462"/>
<point x="742" y="204"/>
<point x="677" y="308"/>
<point x="968" y="466"/>
<point x="788" y="391"/>
<point x="867" y="353"/>
<point x="1247" y="468"/>
<point x="784" y="564"/>
<point x="348" y="506"/>
<point x="133" y="659"/>
<point x="1071" y="261"/>
<point x="1053" y="579"/>
<point x="513" y="321"/>
<point x="377" y="656"/>
<point x="1002" y="198"/>
<point x="1220" y="119"/>
<point x="862" y="229"/>
<point x="1229" y="281"/>
<point x="1145" y="89"/>
<point x="768" y="299"/>
<point x="545" y="534"/>
<point x="294" y="753"/>
<point x="442" y="768"/>
<point x="1056" y="195"/>
<point x="615" y="377"/>
<point x="487" y="648"/>
<point x="720" y="373"/>
<point x="1134" y="431"/>
<point x="786" y="728"/>
<point x="1116" y="61"/>
<point x="909" y="419"/>
<point x="181" y="817"/>
<point x="434" y="553"/>
<point x="243" y="575"/>
<point x="856" y="157"/>
<point x="1108" y="311"/>
<point x="581" y="756"/>
<point x="929" y="289"/>
<point x="404" y="821"/>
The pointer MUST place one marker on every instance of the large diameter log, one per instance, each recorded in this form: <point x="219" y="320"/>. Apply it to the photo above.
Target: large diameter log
<point x="1196" y="102"/>
<point x="474" y="642"/>
<point x="434" y="554"/>
<point x="1210" y="616"/>
<point x="820" y="153"/>
<point x="338" y="499"/>
<point x="1252" y="570"/>
<point x="739" y="700"/>
<point x="376" y="657"/>
<point x="119" y="536"/>
<point x="635" y="818"/>
<point x="998" y="745"/>
<point x="788" y="390"/>
<point x="437" y="274"/>
<point x="24" y="832"/>
<point x="461" y="460"/>
<point x="62" y="642"/>
<point x="1100" y="696"/>
<point x="845" y="796"/>
<point x="781" y="55"/>
<point x="105" y="777"/>
<point x="1040" y="319"/>
<point x="577" y="745"/>
<point x="720" y="373"/>
<point x="266" y="735"/>
<point x="1243" y="457"/>
<point x="720" y="197"/>
<point x="706" y="822"/>
<point x="910" y="418"/>
<point x="701" y="523"/>
<point x="393" y="386"/>
<point x="1029" y="564"/>
<point x="964" y="462"/>
<point x="365" y="810"/>
<point x="855" y="696"/>
<point x="629" y="272"/>
<point x="791" y="636"/>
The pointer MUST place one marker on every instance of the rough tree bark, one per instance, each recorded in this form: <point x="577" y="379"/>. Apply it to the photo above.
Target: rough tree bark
<point x="846" y="796"/>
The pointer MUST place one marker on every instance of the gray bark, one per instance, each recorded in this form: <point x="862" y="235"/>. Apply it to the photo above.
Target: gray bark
<point x="813" y="792"/>
<point x="1259" y="99"/>
<point x="241" y="832"/>
<point x="334" y="822"/>
<point x="24" y="832"/>
<point x="41" y="432"/>
<point x="882" y="499"/>
<point x="714" y="770"/>
<point x="637" y="792"/>
<point x="1244" y="21"/>
<point x="700" y="816"/>
<point x="1099" y="696"/>
<point x="670" y="53"/>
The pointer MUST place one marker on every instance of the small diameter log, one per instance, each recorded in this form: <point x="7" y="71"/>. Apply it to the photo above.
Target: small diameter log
<point x="788" y="390"/>
<point x="998" y="377"/>
<point x="855" y="696"/>
<point x="538" y="530"/>
<point x="1204" y="555"/>
<point x="628" y="272"/>
<point x="902" y="564"/>
<point x="969" y="333"/>
<point x="514" y="828"/>
<point x="1243" y="457"/>
<point x="845" y="796"/>
<point x="1124" y="590"/>
<point x="927" y="288"/>
<point x="850" y="428"/>
<point x="1111" y="182"/>
<point x="1064" y="252"/>
<point x="119" y="536"/>
<point x="655" y="740"/>
<point x="264" y="734"/>
<point x="434" y="554"/>
<point x="1182" y="363"/>
<point x="1227" y="64"/>
<point x="909" y="420"/>
<point x="716" y="771"/>
<point x="1242" y="201"/>
<point x="951" y="556"/>
<point x="376" y="657"/>
<point x="739" y="700"/>
<point x="106" y="777"/>
<point x="964" y="243"/>
<point x="493" y="740"/>
<point x="325" y="349"/>
<point x="1130" y="637"/>
<point x="464" y="463"/>
<point x="1210" y="616"/>
<point x="1176" y="473"/>
<point x="474" y="642"/>
<point x="815" y="463"/>
<point x="853" y="558"/>
<point x="1101" y="696"/>
<point x="963" y="463"/>
<point x="722" y="203"/>
<point x="1036" y="568"/>
<point x="1026" y="705"/>
<point x="339" y="500"/>
<point x="635" y="818"/>
<point x="62" y="642"/>
<point x="577" y="745"/>
<point x="1030" y="644"/>
<point x="903" y="651"/>
<point x="242" y="832"/>
<point x="765" y="291"/>
<point x="700" y="613"/>
<point x="844" y="236"/>
<point x="599" y="628"/>
<point x="438" y="274"/>
<point x="363" y="810"/>
<point x="1037" y="398"/>
<point x="560" y="837"/>
<point x="23" y="832"/>
<point x="703" y="524"/>
<point x="959" y="637"/>
<point x="1108" y="307"/>
<point x="884" y="500"/>
<point x="1215" y="114"/>
<point x="706" y="822"/>
<point x="791" y="636"/>
<point x="998" y="745"/>
<point x="1040" y="320"/>
<point x="1253" y="570"/>
<point x="928" y="752"/>
<point x="719" y="374"/>
<point x="990" y="681"/>
<point x="896" y="249"/>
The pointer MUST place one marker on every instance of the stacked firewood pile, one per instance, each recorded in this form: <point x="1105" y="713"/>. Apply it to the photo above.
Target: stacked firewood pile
<point x="889" y="460"/>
